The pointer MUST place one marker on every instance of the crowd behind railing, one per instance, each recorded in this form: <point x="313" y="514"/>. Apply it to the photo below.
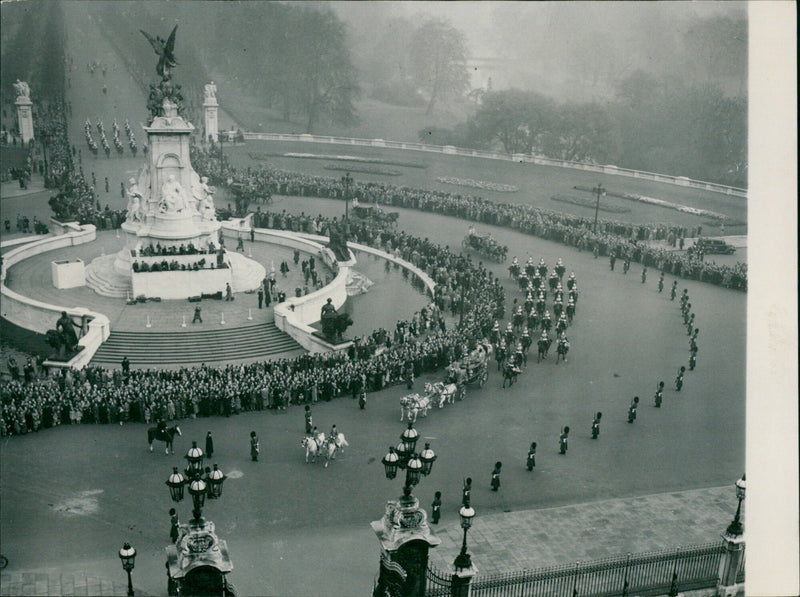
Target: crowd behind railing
<point x="422" y="343"/>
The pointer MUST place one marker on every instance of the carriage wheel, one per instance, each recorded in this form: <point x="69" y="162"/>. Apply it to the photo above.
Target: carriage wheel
<point x="483" y="379"/>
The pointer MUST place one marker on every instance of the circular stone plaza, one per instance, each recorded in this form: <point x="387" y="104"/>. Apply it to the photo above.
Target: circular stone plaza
<point x="211" y="321"/>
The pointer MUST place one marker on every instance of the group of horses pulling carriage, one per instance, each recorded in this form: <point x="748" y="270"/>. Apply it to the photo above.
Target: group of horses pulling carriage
<point x="328" y="446"/>
<point x="473" y="369"/>
<point x="485" y="245"/>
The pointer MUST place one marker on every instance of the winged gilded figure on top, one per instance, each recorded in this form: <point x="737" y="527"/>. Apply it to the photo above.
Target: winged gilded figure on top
<point x="165" y="51"/>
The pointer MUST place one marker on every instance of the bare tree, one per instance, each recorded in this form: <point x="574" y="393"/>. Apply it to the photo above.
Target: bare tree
<point x="439" y="60"/>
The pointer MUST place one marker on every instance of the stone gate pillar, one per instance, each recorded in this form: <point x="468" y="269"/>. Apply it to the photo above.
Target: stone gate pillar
<point x="24" y="111"/>
<point x="730" y="562"/>
<point x="405" y="539"/>
<point x="211" y="113"/>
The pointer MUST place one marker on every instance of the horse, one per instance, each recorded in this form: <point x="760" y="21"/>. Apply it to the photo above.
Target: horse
<point x="412" y="405"/>
<point x="510" y="372"/>
<point x="340" y="442"/>
<point x="562" y="350"/>
<point x="312" y="449"/>
<point x="330" y="451"/>
<point x="544" y="347"/>
<point x="168" y="435"/>
<point x="445" y="393"/>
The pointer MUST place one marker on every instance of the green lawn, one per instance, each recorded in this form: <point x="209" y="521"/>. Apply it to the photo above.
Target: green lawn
<point x="537" y="184"/>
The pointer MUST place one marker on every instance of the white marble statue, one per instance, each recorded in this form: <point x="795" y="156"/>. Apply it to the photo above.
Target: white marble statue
<point x="134" y="202"/>
<point x="172" y="196"/>
<point x="207" y="206"/>
<point x="22" y="90"/>
<point x="211" y="91"/>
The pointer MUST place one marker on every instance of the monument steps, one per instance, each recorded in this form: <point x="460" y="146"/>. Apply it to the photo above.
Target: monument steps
<point x="194" y="347"/>
<point x="104" y="279"/>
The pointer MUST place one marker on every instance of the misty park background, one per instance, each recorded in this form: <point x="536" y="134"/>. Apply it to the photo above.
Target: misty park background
<point x="660" y="87"/>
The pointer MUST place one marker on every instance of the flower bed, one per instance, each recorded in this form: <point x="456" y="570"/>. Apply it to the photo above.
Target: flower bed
<point x="478" y="184"/>
<point x="364" y="170"/>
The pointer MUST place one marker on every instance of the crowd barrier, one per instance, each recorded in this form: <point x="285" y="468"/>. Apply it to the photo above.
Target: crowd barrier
<point x="682" y="181"/>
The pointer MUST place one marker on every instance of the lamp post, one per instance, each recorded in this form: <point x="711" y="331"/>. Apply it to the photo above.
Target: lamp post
<point x="347" y="181"/>
<point x="127" y="555"/>
<point x="463" y="559"/>
<point x="405" y="457"/>
<point x="198" y="487"/>
<point x="599" y="190"/>
<point x="736" y="528"/>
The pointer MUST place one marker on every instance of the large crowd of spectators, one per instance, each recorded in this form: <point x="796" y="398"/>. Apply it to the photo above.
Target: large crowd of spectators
<point x="624" y="239"/>
<point x="423" y="342"/>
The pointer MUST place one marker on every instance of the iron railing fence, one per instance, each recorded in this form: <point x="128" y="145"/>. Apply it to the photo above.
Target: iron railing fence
<point x="643" y="574"/>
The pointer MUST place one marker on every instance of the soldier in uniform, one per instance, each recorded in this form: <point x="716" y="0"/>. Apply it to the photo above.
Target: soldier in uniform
<point x="659" y="394"/>
<point x="632" y="409"/>
<point x="562" y="440"/>
<point x="530" y="461"/>
<point x="679" y="379"/>
<point x="308" y="418"/>
<point x="596" y="425"/>
<point x="496" y="475"/>
<point x="674" y="290"/>
<point x="644" y="274"/>
<point x="254" y="447"/>
<point x="661" y="282"/>
<point x="436" y="507"/>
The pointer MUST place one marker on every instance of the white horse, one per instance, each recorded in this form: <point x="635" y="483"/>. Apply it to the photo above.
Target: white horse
<point x="444" y="393"/>
<point x="340" y="442"/>
<point x="330" y="451"/>
<point x="412" y="405"/>
<point x="312" y="448"/>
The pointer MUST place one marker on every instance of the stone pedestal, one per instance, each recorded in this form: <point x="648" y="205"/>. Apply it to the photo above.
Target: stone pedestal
<point x="68" y="274"/>
<point x="405" y="539"/>
<point x="211" y="108"/>
<point x="729" y="566"/>
<point x="25" y="118"/>
<point x="462" y="581"/>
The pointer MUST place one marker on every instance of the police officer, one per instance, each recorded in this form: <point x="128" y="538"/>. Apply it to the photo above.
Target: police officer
<point x="674" y="290"/>
<point x="661" y="282"/>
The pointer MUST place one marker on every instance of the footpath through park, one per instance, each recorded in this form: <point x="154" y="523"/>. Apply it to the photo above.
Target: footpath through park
<point x="498" y="543"/>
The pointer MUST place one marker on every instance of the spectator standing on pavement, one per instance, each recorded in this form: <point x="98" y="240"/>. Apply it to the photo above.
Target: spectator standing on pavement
<point x="260" y="298"/>
<point x="436" y="507"/>
<point x="209" y="445"/>
<point x="530" y="461"/>
<point x="496" y="475"/>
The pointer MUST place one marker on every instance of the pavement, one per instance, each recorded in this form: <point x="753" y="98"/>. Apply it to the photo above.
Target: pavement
<point x="497" y="542"/>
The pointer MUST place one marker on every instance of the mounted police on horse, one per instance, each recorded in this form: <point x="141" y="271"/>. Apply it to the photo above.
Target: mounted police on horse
<point x="164" y="434"/>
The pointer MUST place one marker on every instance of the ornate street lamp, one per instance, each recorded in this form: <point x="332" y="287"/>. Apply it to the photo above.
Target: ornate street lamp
<point x="599" y="190"/>
<point x="736" y="528"/>
<point x="215" y="480"/>
<point x="175" y="483"/>
<point x="127" y="556"/>
<point x="194" y="458"/>
<point x="405" y="457"/>
<point x="463" y="559"/>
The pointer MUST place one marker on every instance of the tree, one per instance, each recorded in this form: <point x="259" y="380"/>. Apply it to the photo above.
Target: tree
<point x="438" y="60"/>
<point x="320" y="77"/>
<point x="515" y="118"/>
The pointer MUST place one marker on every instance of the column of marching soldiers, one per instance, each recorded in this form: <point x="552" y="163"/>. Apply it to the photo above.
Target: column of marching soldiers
<point x="532" y="316"/>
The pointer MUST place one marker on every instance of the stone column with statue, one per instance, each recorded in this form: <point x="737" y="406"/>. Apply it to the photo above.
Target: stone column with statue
<point x="211" y="108"/>
<point x="24" y="110"/>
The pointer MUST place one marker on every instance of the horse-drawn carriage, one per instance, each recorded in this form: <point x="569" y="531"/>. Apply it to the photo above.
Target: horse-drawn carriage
<point x="485" y="245"/>
<point x="372" y="212"/>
